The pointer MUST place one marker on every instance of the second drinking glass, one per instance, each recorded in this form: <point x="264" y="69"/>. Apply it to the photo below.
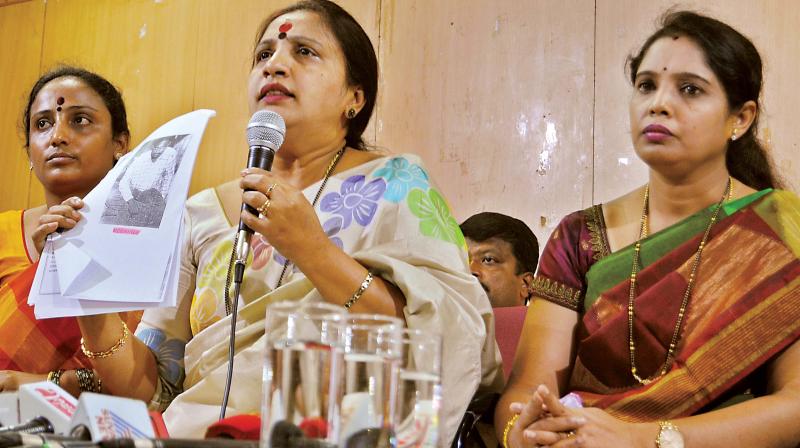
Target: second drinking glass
<point x="372" y="356"/>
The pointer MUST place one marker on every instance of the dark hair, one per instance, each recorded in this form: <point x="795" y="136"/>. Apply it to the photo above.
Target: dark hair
<point x="110" y="95"/>
<point x="736" y="63"/>
<point x="524" y="245"/>
<point x="361" y="63"/>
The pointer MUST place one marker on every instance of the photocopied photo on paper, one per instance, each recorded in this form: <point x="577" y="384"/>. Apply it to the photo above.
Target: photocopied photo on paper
<point x="124" y="254"/>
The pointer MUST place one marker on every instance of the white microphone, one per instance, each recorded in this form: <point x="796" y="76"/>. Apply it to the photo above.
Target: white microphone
<point x="106" y="417"/>
<point x="45" y="399"/>
<point x="9" y="409"/>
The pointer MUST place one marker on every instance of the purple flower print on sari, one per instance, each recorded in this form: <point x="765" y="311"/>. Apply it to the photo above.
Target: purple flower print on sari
<point x="402" y="177"/>
<point x="331" y="227"/>
<point x="355" y="199"/>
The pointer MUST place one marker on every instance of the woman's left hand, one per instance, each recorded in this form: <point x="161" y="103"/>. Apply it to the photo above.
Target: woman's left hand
<point x="597" y="429"/>
<point x="289" y="222"/>
<point x="10" y="380"/>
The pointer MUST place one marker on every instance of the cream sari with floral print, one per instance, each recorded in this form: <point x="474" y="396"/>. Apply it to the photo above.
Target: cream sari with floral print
<point x="384" y="213"/>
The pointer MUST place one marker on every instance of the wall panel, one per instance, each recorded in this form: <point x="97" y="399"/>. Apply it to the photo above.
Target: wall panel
<point x="147" y="48"/>
<point x="496" y="97"/>
<point x="623" y="25"/>
<point x="21" y="26"/>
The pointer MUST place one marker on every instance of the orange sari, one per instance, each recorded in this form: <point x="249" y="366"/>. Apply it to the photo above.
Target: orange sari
<point x="27" y="344"/>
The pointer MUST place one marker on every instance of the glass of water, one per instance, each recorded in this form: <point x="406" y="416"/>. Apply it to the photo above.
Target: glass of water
<point x="372" y="356"/>
<point x="302" y="373"/>
<point x="420" y="389"/>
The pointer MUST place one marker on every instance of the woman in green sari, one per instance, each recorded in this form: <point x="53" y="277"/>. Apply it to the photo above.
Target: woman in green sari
<point x="661" y="308"/>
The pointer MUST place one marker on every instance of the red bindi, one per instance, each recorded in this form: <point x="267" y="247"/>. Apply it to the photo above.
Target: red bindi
<point x="60" y="100"/>
<point x="285" y="27"/>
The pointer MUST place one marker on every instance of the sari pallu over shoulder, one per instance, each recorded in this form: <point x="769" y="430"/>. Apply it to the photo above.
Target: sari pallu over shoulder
<point x="744" y="309"/>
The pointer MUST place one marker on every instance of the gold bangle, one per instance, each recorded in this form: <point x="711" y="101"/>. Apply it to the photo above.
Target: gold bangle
<point x="509" y="425"/>
<point x="55" y="376"/>
<point x="114" y="348"/>
<point x="357" y="295"/>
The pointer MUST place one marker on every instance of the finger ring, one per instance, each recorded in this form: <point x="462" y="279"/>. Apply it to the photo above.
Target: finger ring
<point x="269" y="190"/>
<point x="264" y="207"/>
<point x="570" y="434"/>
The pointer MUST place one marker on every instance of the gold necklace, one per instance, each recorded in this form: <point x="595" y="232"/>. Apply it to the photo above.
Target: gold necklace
<point x="643" y="229"/>
<point x="328" y="172"/>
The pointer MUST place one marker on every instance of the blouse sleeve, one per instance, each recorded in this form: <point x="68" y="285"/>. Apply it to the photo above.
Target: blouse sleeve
<point x="574" y="245"/>
<point x="167" y="330"/>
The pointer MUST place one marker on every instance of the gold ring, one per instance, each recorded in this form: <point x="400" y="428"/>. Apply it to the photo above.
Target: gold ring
<point x="264" y="207"/>
<point x="570" y="434"/>
<point x="269" y="190"/>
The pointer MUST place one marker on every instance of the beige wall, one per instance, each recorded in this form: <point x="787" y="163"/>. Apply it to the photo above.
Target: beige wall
<point x="517" y="106"/>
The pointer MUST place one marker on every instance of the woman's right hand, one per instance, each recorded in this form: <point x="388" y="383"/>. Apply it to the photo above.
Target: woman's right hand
<point x="61" y="216"/>
<point x="529" y="413"/>
<point x="544" y="421"/>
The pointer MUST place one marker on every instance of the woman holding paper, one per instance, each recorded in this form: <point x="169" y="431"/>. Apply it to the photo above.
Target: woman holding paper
<point x="76" y="128"/>
<point x="337" y="223"/>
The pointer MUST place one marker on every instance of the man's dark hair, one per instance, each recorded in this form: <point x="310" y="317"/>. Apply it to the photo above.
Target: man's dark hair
<point x="524" y="245"/>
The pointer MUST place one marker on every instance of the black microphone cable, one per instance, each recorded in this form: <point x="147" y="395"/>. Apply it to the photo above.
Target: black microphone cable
<point x="265" y="133"/>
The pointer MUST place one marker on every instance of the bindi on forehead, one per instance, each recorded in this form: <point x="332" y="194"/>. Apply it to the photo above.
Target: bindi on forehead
<point x="59" y="102"/>
<point x="284" y="28"/>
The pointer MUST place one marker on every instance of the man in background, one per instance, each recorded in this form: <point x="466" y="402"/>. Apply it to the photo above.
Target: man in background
<point x="503" y="253"/>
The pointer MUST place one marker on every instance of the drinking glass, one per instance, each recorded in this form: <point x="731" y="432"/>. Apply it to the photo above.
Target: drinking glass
<point x="372" y="355"/>
<point x="420" y="389"/>
<point x="302" y="374"/>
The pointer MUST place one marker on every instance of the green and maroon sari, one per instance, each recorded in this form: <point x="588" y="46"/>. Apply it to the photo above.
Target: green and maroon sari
<point x="744" y="308"/>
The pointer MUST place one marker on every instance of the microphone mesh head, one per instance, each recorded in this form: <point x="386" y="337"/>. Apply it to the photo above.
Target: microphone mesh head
<point x="266" y="128"/>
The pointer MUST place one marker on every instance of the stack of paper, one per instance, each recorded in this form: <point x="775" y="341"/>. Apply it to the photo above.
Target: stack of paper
<point x="124" y="254"/>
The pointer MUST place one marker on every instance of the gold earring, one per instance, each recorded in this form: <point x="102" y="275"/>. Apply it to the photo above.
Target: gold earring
<point x="117" y="156"/>
<point x="351" y="113"/>
<point x="733" y="136"/>
<point x="30" y="166"/>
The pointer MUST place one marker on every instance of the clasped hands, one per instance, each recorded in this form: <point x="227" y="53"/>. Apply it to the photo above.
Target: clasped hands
<point x="545" y="422"/>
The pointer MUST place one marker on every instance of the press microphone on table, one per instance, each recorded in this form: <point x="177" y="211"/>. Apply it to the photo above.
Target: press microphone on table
<point x="104" y="417"/>
<point x="34" y="440"/>
<point x="43" y="408"/>
<point x="265" y="134"/>
<point x="9" y="409"/>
